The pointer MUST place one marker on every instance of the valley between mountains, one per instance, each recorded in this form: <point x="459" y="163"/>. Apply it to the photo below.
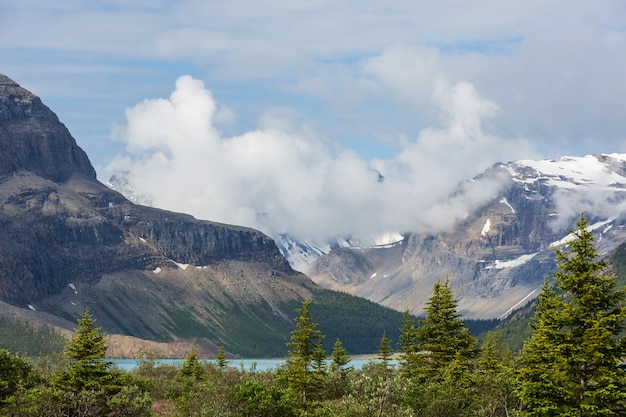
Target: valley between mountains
<point x="158" y="281"/>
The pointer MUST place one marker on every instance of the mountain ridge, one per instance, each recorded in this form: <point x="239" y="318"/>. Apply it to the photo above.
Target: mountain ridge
<point x="496" y="257"/>
<point x="69" y="243"/>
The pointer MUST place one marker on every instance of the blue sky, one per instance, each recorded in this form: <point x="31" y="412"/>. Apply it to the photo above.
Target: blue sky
<point x="412" y="89"/>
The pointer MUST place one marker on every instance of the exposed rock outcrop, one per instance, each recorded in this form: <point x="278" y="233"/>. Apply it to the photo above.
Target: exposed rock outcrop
<point x="60" y="225"/>
<point x="33" y="139"/>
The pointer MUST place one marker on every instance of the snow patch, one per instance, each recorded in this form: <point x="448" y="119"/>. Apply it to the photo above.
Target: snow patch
<point x="72" y="286"/>
<point x="571" y="172"/>
<point x="510" y="310"/>
<point x="182" y="266"/>
<point x="31" y="307"/>
<point x="486" y="228"/>
<point x="373" y="275"/>
<point x="157" y="270"/>
<point x="504" y="201"/>
<point x="512" y="263"/>
<point x="388" y="239"/>
<point x="570" y="237"/>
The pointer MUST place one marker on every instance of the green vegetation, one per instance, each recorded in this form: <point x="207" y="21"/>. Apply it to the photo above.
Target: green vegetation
<point x="357" y="322"/>
<point x="442" y="337"/>
<point x="21" y="337"/>
<point x="568" y="367"/>
<point x="618" y="262"/>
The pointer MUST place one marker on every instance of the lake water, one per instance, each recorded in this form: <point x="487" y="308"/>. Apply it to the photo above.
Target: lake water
<point x="245" y="364"/>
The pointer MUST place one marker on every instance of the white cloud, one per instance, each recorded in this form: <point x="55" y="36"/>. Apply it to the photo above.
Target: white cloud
<point x="408" y="72"/>
<point x="284" y="177"/>
<point x="437" y="85"/>
<point x="357" y="71"/>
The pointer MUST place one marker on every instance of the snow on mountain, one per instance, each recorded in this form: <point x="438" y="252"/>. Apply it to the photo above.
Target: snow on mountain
<point x="495" y="257"/>
<point x="302" y="253"/>
<point x="606" y="170"/>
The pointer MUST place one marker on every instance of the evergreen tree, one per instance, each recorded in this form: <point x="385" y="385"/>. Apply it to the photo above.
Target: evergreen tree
<point x="408" y="344"/>
<point x="385" y="352"/>
<point x="15" y="372"/>
<point x="493" y="355"/>
<point x="442" y="337"/>
<point x="339" y="357"/>
<point x="569" y="364"/>
<point x="220" y="358"/>
<point x="86" y="353"/>
<point x="191" y="369"/>
<point x="303" y="356"/>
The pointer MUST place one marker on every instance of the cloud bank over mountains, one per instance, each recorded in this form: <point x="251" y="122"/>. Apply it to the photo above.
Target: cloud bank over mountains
<point x="283" y="177"/>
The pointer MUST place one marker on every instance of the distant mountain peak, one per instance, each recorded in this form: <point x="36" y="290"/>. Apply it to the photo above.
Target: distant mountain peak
<point x="608" y="170"/>
<point x="495" y="257"/>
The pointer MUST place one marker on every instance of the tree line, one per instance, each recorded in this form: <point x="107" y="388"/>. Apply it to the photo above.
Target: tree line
<point x="572" y="365"/>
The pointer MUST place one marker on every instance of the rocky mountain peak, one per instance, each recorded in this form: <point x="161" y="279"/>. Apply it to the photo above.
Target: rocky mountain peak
<point x="60" y="225"/>
<point x="497" y="256"/>
<point x="32" y="138"/>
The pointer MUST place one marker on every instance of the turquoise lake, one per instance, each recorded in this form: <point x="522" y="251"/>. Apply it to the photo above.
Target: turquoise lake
<point x="245" y="364"/>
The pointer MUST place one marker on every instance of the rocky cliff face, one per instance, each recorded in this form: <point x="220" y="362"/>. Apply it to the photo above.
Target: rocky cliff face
<point x="68" y="242"/>
<point x="60" y="225"/>
<point x="495" y="258"/>
<point x="33" y="139"/>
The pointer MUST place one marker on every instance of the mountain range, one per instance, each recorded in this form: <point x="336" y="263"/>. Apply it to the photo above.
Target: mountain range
<point x="70" y="243"/>
<point x="497" y="256"/>
<point x="155" y="278"/>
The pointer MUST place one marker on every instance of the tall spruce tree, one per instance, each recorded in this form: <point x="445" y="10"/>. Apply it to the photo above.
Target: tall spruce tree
<point x="569" y="365"/>
<point x="385" y="352"/>
<point x="340" y="357"/>
<point x="304" y="356"/>
<point x="442" y="336"/>
<point x="86" y="353"/>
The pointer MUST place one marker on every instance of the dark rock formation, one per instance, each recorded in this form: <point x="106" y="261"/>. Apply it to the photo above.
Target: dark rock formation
<point x="33" y="139"/>
<point x="59" y="225"/>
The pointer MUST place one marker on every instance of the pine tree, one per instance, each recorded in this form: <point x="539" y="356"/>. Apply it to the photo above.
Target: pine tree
<point x="339" y="357"/>
<point x="191" y="369"/>
<point x="385" y="352"/>
<point x="220" y="358"/>
<point x="569" y="364"/>
<point x="442" y="337"/>
<point x="408" y="343"/>
<point x="303" y="356"/>
<point x="86" y="353"/>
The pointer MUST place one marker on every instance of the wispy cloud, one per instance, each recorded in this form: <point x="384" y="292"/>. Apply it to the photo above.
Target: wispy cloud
<point x="285" y="178"/>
